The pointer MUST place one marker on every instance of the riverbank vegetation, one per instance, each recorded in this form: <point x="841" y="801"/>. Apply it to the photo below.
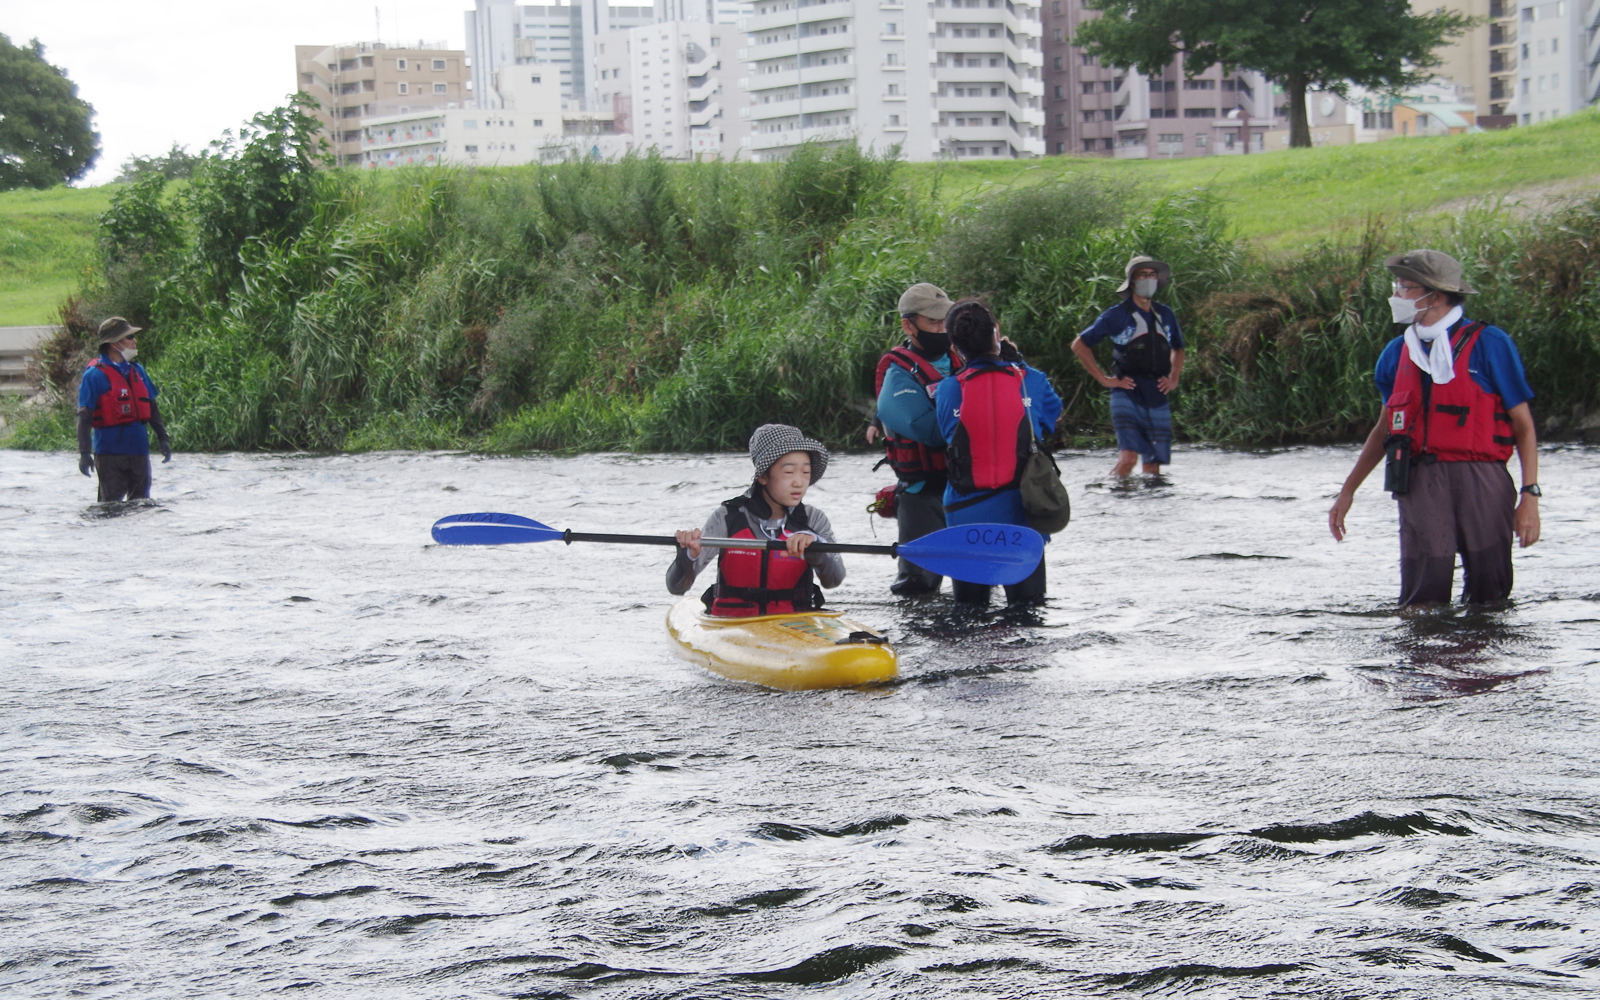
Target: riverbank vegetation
<point x="655" y="306"/>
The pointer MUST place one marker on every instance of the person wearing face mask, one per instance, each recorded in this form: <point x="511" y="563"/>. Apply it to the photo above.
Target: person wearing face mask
<point x="116" y="403"/>
<point x="907" y="377"/>
<point x="1455" y="407"/>
<point x="1146" y="360"/>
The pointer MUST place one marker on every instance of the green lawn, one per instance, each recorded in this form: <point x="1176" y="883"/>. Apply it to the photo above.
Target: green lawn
<point x="1281" y="200"/>
<point x="1289" y="198"/>
<point x="46" y="244"/>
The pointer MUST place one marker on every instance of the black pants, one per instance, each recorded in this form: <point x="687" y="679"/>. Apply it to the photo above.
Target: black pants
<point x="123" y="477"/>
<point x="918" y="514"/>
<point x="1456" y="507"/>
<point x="1029" y="591"/>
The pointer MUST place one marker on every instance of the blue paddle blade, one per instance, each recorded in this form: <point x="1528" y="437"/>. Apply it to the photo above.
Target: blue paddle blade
<point x="491" y="529"/>
<point x="978" y="553"/>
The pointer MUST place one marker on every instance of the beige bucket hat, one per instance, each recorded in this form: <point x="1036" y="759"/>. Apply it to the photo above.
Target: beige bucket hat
<point x="1163" y="274"/>
<point x="1433" y="269"/>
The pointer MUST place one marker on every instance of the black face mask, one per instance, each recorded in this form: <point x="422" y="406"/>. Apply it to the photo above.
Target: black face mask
<point x="932" y="345"/>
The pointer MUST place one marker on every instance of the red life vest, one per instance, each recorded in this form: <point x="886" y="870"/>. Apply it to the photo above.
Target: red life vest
<point x="993" y="439"/>
<point x="751" y="582"/>
<point x="1456" y="421"/>
<point x="127" y="401"/>
<point x="911" y="460"/>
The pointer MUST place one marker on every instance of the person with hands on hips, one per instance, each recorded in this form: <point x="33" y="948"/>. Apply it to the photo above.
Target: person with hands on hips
<point x="1455" y="408"/>
<point x="1146" y="361"/>
<point x="116" y="403"/>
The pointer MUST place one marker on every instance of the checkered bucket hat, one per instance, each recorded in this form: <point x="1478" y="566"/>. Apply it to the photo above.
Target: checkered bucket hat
<point x="771" y="442"/>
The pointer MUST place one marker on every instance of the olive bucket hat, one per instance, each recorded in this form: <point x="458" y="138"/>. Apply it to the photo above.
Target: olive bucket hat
<point x="1163" y="274"/>
<point x="771" y="442"/>
<point x="1433" y="269"/>
<point x="116" y="328"/>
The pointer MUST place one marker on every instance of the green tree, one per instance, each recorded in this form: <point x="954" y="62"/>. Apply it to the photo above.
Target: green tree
<point x="256" y="186"/>
<point x="45" y="137"/>
<point x="1298" y="44"/>
<point x="176" y="164"/>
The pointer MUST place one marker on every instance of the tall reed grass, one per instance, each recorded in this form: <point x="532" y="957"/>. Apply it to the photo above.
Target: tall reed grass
<point x="647" y="305"/>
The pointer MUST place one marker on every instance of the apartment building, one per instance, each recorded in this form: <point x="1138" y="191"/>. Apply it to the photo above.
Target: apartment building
<point x="664" y="86"/>
<point x="526" y="125"/>
<point x="562" y="35"/>
<point x="1558" y="57"/>
<point x="956" y="78"/>
<point x="1481" y="66"/>
<point x="1097" y="110"/>
<point x="350" y="82"/>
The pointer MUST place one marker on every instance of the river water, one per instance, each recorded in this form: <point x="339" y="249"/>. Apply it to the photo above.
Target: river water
<point x="266" y="736"/>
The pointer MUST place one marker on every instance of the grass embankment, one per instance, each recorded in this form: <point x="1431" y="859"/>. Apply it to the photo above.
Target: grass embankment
<point x="47" y="250"/>
<point x="646" y="305"/>
<point x="1288" y="199"/>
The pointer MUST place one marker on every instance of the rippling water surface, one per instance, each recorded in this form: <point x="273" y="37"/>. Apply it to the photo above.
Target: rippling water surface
<point x="265" y="735"/>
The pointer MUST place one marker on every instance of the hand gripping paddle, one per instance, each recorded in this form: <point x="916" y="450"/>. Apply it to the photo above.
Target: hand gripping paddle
<point x="976" y="553"/>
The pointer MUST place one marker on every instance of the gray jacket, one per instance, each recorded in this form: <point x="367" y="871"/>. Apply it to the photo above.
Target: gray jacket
<point x="828" y="567"/>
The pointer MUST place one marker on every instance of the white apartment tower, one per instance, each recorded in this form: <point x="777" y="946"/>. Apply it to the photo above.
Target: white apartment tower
<point x="946" y="78"/>
<point x="1559" y="66"/>
<point x="664" y="86"/>
<point x="562" y="34"/>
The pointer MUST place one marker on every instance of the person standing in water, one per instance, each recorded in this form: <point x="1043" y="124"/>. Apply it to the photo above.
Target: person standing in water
<point x="752" y="582"/>
<point x="985" y="411"/>
<point x="1146" y="361"/>
<point x="908" y="376"/>
<point x="116" y="403"/>
<point x="1455" y="406"/>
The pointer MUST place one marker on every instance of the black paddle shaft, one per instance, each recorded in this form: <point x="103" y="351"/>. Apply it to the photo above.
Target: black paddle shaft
<point x="569" y="536"/>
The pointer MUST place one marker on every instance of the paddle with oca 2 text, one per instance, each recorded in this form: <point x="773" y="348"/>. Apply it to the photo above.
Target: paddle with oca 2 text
<point x="992" y="554"/>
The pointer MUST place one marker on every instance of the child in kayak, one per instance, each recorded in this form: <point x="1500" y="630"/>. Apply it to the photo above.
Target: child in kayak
<point x="751" y="582"/>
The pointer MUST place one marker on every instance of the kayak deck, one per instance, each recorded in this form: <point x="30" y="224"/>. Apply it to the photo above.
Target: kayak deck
<point x="798" y="652"/>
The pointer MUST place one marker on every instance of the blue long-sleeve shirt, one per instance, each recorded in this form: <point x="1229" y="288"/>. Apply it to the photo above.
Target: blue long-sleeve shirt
<point x="906" y="410"/>
<point x="123" y="439"/>
<point x="1044" y="407"/>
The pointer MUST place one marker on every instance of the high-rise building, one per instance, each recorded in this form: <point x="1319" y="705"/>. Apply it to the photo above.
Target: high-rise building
<point x="365" y="79"/>
<point x="562" y="35"/>
<point x="1558" y="57"/>
<point x="957" y="78"/>
<point x="664" y="85"/>
<point x="1481" y="65"/>
<point x="1098" y="110"/>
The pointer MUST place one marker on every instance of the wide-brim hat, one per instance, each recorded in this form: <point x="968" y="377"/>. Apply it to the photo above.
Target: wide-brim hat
<point x="1433" y="269"/>
<point x="771" y="442"/>
<point x="1163" y="274"/>
<point x="115" y="328"/>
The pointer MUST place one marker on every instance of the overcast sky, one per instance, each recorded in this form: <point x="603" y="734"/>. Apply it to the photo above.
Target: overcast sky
<point x="164" y="71"/>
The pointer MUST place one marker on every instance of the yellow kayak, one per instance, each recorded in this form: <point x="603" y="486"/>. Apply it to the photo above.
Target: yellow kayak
<point x="798" y="652"/>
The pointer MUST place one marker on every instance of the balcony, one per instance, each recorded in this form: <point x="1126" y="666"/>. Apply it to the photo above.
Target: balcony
<point x="1502" y="60"/>
<point x="1502" y="34"/>
<point x="1140" y="152"/>
<point x="824" y="10"/>
<point x="790" y="46"/>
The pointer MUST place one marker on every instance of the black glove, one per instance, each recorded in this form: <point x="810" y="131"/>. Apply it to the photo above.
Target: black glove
<point x="85" y="463"/>
<point x="166" y="451"/>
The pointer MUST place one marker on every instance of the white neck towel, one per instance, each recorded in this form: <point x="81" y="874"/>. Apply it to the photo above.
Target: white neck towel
<point x="1437" y="359"/>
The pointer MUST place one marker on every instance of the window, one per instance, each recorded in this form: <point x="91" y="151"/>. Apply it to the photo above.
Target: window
<point x="1200" y="142"/>
<point x="894" y="89"/>
<point x="440" y="88"/>
<point x="890" y="29"/>
<point x="1086" y="59"/>
<point x="1199" y="85"/>
<point x="405" y="88"/>
<point x="535" y="78"/>
<point x="894" y="119"/>
<point x="1377" y="119"/>
<point x="438" y="64"/>
<point x="1088" y="87"/>
<point x="538" y="123"/>
<point x="1058" y="62"/>
<point x="1088" y="116"/>
<point x="1555" y="81"/>
<point x="1107" y="86"/>
<point x="470" y="149"/>
<point x="1555" y="45"/>
<point x="715" y="41"/>
<point x="1055" y="8"/>
<point x="399" y="64"/>
<point x="1058" y="90"/>
<point x="891" y="59"/>
<point x="1089" y="145"/>
<point x="470" y="123"/>
<point x="1199" y="112"/>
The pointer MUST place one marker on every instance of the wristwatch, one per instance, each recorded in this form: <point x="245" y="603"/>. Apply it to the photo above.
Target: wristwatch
<point x="1532" y="489"/>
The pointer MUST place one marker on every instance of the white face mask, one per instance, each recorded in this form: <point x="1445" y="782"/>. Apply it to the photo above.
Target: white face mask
<point x="1145" y="288"/>
<point x="128" y="354"/>
<point x="1405" y="310"/>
